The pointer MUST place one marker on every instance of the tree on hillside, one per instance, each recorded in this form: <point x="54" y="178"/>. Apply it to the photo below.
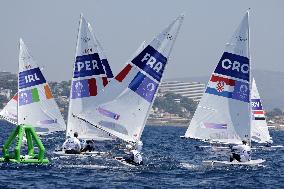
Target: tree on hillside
<point x="65" y="85"/>
<point x="169" y="103"/>
<point x="3" y="99"/>
<point x="274" y="112"/>
<point x="188" y="104"/>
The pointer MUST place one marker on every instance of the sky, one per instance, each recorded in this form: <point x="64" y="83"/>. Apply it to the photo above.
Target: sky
<point x="49" y="29"/>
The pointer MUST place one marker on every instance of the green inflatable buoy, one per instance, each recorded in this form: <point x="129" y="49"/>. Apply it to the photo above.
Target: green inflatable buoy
<point x="32" y="138"/>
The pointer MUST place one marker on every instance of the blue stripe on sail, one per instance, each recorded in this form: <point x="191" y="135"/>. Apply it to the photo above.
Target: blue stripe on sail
<point x="241" y="92"/>
<point x="136" y="81"/>
<point x="31" y="78"/>
<point x="144" y="86"/>
<point x="151" y="61"/>
<point x="107" y="68"/>
<point x="234" y="66"/>
<point x="256" y="104"/>
<point x="88" y="65"/>
<point x="80" y="89"/>
<point x="215" y="92"/>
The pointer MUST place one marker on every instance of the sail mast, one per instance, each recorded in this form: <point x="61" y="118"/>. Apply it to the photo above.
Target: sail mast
<point x="18" y="81"/>
<point x="249" y="55"/>
<point x="69" y="107"/>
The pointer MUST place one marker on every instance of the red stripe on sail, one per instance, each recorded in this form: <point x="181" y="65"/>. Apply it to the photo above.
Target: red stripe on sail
<point x="215" y="78"/>
<point x="120" y="77"/>
<point x="105" y="81"/>
<point x="258" y="112"/>
<point x="92" y="87"/>
<point x="15" y="97"/>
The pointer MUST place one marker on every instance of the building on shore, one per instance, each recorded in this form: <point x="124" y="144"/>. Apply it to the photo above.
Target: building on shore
<point x="6" y="92"/>
<point x="192" y="90"/>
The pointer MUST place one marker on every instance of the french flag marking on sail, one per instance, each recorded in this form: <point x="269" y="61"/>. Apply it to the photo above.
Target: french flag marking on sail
<point x="144" y="86"/>
<point x="107" y="68"/>
<point x="151" y="61"/>
<point x="228" y="88"/>
<point x="88" y="65"/>
<point x="121" y="76"/>
<point x="84" y="88"/>
<point x="234" y="66"/>
<point x="31" y="78"/>
<point x="15" y="97"/>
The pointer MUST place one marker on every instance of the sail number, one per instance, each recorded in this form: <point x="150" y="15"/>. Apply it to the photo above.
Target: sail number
<point x="235" y="65"/>
<point x="152" y="62"/>
<point x="31" y="78"/>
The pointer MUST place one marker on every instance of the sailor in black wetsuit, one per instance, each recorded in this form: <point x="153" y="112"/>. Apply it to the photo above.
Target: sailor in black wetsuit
<point x="89" y="146"/>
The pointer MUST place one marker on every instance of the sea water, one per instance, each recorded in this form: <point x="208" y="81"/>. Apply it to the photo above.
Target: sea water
<point x="170" y="162"/>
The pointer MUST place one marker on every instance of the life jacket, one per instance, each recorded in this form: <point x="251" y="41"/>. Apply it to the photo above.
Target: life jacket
<point x="243" y="151"/>
<point x="72" y="144"/>
<point x="137" y="157"/>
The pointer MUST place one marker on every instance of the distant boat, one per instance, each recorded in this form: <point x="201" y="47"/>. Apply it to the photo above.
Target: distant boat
<point x="129" y="97"/>
<point x="10" y="111"/>
<point x="260" y="133"/>
<point x="223" y="113"/>
<point x="91" y="73"/>
<point x="34" y="103"/>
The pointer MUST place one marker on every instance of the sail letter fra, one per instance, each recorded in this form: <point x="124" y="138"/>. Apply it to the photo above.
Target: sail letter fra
<point x="151" y="61"/>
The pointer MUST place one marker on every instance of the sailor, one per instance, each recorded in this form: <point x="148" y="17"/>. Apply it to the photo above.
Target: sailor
<point x="72" y="145"/>
<point x="89" y="145"/>
<point x="241" y="152"/>
<point x="134" y="156"/>
<point x="269" y="143"/>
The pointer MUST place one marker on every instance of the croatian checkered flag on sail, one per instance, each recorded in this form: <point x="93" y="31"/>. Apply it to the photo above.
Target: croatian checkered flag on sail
<point x="129" y="97"/>
<point x="36" y="105"/>
<point x="91" y="73"/>
<point x="223" y="112"/>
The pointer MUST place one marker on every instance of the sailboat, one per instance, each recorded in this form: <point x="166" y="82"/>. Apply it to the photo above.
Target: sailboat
<point x="34" y="103"/>
<point x="130" y="95"/>
<point x="259" y="128"/>
<point x="223" y="113"/>
<point x="10" y="111"/>
<point x="91" y="73"/>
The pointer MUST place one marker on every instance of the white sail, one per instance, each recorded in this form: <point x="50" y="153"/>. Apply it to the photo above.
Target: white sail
<point x="36" y="105"/>
<point x="223" y="112"/>
<point x="10" y="111"/>
<point x="259" y="128"/>
<point x="102" y="55"/>
<point x="89" y="77"/>
<point x="134" y="88"/>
